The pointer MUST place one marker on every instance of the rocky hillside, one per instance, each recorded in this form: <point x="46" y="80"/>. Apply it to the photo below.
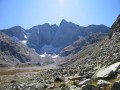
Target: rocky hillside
<point x="97" y="65"/>
<point x="103" y="53"/>
<point x="52" y="38"/>
<point x="12" y="53"/>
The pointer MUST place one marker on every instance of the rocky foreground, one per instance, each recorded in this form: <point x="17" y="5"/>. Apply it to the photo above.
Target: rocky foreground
<point x="106" y="78"/>
<point x="96" y="67"/>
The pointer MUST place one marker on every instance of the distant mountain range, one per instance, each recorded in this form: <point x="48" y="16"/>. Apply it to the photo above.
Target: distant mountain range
<point x="52" y="38"/>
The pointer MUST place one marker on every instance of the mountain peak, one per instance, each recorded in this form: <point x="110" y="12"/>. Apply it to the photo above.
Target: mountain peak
<point x="46" y="24"/>
<point x="16" y="27"/>
<point x="64" y="21"/>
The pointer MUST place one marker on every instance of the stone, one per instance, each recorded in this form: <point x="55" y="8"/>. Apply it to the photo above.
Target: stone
<point x="12" y="81"/>
<point x="75" y="78"/>
<point x="107" y="72"/>
<point x="58" y="79"/>
<point x="103" y="83"/>
<point x="84" y="82"/>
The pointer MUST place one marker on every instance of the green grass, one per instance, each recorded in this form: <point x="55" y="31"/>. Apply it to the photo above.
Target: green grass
<point x="94" y="83"/>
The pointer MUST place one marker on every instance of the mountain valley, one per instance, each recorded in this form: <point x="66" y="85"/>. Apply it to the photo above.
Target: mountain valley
<point x="84" y="58"/>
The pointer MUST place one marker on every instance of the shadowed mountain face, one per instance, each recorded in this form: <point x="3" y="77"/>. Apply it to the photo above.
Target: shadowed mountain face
<point x="41" y="35"/>
<point x="52" y="38"/>
<point x="66" y="34"/>
<point x="12" y="52"/>
<point x="17" y="33"/>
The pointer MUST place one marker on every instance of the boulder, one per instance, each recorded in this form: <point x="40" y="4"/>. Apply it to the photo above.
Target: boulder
<point x="107" y="72"/>
<point x="103" y="83"/>
<point x="84" y="82"/>
<point x="58" y="79"/>
<point x="75" y="78"/>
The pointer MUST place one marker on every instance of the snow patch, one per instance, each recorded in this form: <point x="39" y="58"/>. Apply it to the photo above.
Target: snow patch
<point x="25" y="36"/>
<point x="43" y="55"/>
<point x="24" y="41"/>
<point x="49" y="55"/>
<point x="55" y="56"/>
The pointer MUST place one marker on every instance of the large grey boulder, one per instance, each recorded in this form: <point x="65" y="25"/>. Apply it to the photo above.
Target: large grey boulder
<point x="107" y="72"/>
<point x="103" y="84"/>
<point x="85" y="82"/>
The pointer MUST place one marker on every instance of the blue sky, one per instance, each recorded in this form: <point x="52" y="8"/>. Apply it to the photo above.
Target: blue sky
<point x="28" y="13"/>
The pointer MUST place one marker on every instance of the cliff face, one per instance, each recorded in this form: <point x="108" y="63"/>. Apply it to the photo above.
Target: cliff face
<point x="41" y="35"/>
